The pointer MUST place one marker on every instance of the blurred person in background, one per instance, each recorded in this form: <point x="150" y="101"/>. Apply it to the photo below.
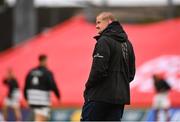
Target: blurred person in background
<point x="38" y="84"/>
<point x="13" y="98"/>
<point x="113" y="68"/>
<point x="161" y="100"/>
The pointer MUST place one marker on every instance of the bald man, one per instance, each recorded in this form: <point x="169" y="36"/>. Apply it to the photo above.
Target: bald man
<point x="107" y="89"/>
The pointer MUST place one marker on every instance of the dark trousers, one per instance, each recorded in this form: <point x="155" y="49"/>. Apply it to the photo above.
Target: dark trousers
<point x="101" y="111"/>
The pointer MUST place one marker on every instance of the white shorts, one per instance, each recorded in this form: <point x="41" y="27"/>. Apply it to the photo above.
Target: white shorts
<point x="44" y="111"/>
<point x="14" y="100"/>
<point x="161" y="101"/>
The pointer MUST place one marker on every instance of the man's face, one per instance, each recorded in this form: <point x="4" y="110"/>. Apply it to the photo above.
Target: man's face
<point x="101" y="24"/>
<point x="43" y="62"/>
<point x="10" y="73"/>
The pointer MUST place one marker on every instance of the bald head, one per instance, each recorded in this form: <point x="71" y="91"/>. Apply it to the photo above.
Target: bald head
<point x="103" y="20"/>
<point x="106" y="16"/>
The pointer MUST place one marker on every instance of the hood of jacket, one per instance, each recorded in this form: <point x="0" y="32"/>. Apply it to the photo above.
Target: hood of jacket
<point x="115" y="31"/>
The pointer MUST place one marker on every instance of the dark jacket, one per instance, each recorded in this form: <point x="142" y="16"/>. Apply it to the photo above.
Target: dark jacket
<point x="113" y="67"/>
<point x="38" y="84"/>
<point x="161" y="86"/>
<point x="12" y="85"/>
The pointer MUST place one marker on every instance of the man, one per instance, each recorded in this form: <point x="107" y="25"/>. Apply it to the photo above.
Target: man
<point x="13" y="97"/>
<point x="161" y="101"/>
<point x="39" y="83"/>
<point x="113" y="68"/>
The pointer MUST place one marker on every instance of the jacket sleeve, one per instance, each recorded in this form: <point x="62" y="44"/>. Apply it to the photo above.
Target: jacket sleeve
<point x="27" y="81"/>
<point x="132" y="69"/>
<point x="53" y="85"/>
<point x="99" y="67"/>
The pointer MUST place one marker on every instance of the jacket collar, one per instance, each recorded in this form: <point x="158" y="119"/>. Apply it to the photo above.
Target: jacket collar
<point x="114" y="30"/>
<point x="109" y="27"/>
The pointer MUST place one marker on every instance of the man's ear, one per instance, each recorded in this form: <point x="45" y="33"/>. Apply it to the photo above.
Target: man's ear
<point x="110" y="21"/>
